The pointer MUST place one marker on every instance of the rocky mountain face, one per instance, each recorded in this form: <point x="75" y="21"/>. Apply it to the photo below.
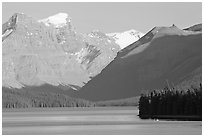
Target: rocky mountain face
<point x="50" y="51"/>
<point x="124" y="39"/>
<point x="165" y="55"/>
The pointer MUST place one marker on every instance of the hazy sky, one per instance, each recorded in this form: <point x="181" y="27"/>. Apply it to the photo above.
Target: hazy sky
<point x="113" y="17"/>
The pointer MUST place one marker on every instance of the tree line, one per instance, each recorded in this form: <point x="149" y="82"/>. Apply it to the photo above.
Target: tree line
<point x="26" y="99"/>
<point x="171" y="102"/>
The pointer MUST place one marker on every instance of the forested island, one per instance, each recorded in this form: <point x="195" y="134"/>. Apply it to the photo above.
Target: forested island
<point x="172" y="104"/>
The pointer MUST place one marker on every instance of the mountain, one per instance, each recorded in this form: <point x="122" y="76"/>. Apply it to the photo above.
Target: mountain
<point x="197" y="27"/>
<point x="48" y="55"/>
<point x="124" y="39"/>
<point x="165" y="55"/>
<point x="50" y="51"/>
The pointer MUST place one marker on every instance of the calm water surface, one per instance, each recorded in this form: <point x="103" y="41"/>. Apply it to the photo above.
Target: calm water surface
<point x="104" y="120"/>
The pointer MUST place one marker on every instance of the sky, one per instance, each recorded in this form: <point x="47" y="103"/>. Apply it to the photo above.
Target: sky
<point x="112" y="17"/>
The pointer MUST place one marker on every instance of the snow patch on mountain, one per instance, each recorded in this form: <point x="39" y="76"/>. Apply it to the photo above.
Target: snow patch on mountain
<point x="57" y="20"/>
<point x="124" y="39"/>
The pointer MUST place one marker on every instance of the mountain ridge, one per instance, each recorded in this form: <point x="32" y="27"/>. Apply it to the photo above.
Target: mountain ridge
<point x="129" y="74"/>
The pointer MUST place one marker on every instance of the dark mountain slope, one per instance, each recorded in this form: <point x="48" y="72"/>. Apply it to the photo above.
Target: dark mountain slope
<point x="169" y="54"/>
<point x="197" y="27"/>
<point x="191" y="80"/>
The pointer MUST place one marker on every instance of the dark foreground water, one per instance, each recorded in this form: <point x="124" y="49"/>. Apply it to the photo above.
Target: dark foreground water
<point x="105" y="120"/>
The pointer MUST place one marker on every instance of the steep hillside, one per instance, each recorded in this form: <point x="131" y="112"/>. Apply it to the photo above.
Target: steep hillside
<point x="165" y="54"/>
<point x="191" y="81"/>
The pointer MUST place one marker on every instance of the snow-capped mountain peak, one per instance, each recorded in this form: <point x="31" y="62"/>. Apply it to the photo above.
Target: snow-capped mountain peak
<point x="124" y="39"/>
<point x="57" y="20"/>
<point x="49" y="51"/>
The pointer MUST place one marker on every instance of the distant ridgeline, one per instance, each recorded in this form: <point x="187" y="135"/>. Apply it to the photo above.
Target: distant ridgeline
<point x="172" y="104"/>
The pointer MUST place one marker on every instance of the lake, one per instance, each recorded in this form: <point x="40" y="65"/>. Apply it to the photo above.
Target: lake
<point x="90" y="121"/>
